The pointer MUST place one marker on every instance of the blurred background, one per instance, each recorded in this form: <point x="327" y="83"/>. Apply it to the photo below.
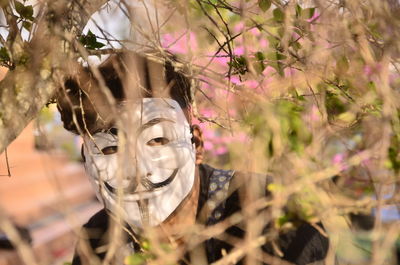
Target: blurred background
<point x="47" y="191"/>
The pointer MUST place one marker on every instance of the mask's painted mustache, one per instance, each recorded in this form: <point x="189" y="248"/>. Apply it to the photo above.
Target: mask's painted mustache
<point x="150" y="186"/>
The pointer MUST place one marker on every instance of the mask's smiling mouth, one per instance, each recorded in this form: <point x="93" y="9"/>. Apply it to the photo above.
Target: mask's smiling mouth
<point x="149" y="186"/>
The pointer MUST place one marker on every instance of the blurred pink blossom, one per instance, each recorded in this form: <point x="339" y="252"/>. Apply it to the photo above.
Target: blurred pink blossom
<point x="295" y="35"/>
<point x="208" y="145"/>
<point x="194" y="120"/>
<point x="208" y="113"/>
<point x="339" y="160"/>
<point x="223" y="60"/>
<point x="368" y="70"/>
<point x="393" y="78"/>
<point x="207" y="133"/>
<point x="235" y="80"/>
<point x="251" y="84"/>
<point x="263" y="43"/>
<point x="255" y="31"/>
<point x="314" y="17"/>
<point x="232" y="112"/>
<point x="289" y="71"/>
<point x="221" y="150"/>
<point x="268" y="71"/>
<point x="238" y="50"/>
<point x="239" y="27"/>
<point x="178" y="43"/>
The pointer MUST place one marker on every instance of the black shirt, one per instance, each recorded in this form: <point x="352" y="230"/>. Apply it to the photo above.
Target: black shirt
<point x="302" y="245"/>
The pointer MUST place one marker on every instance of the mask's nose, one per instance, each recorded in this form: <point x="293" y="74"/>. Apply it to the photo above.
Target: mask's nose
<point x="133" y="184"/>
<point x="131" y="176"/>
<point x="132" y="168"/>
<point x="126" y="175"/>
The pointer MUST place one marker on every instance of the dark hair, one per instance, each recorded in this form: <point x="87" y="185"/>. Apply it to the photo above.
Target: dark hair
<point x="80" y="101"/>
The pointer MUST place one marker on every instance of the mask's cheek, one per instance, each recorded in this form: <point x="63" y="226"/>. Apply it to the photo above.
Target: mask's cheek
<point x="161" y="161"/>
<point x="102" y="167"/>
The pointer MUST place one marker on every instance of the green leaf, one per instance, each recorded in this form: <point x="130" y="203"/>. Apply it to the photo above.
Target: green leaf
<point x="260" y="66"/>
<point x="296" y="45"/>
<point x="89" y="41"/>
<point x="308" y="12"/>
<point x="281" y="31"/>
<point x="298" y="10"/>
<point x="275" y="56"/>
<point x="374" y="30"/>
<point x="273" y="42"/>
<point x="394" y="157"/>
<point x="4" y="56"/>
<point x="135" y="259"/>
<point x="24" y="11"/>
<point x="264" y="4"/>
<point x="239" y="64"/>
<point x="259" y="55"/>
<point x="283" y="220"/>
<point x="145" y="245"/>
<point x="279" y="16"/>
<point x="334" y="104"/>
<point x="27" y="25"/>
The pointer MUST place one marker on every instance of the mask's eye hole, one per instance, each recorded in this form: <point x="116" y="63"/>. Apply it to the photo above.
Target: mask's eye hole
<point x="114" y="131"/>
<point x="109" y="150"/>
<point x="158" y="141"/>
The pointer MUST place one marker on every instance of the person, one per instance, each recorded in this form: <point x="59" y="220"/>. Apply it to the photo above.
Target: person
<point x="144" y="160"/>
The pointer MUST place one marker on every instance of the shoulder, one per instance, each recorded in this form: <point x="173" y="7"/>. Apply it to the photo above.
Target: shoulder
<point x="302" y="245"/>
<point x="99" y="219"/>
<point x="93" y="233"/>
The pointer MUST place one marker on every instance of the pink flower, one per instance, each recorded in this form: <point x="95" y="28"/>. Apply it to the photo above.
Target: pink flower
<point x="208" y="113"/>
<point x="268" y="71"/>
<point x="196" y="121"/>
<point x="289" y="71"/>
<point x="167" y="39"/>
<point x="368" y="70"/>
<point x="239" y="50"/>
<point x="223" y="60"/>
<point x="263" y="43"/>
<point x="251" y="84"/>
<point x="314" y="17"/>
<point x="239" y="27"/>
<point x="393" y="78"/>
<point x="339" y="160"/>
<point x="207" y="133"/>
<point x="208" y="145"/>
<point x="255" y="31"/>
<point x="295" y="36"/>
<point x="179" y="43"/>
<point x="232" y="112"/>
<point x="235" y="80"/>
<point x="221" y="150"/>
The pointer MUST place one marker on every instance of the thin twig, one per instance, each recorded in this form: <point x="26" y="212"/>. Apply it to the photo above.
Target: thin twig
<point x="7" y="164"/>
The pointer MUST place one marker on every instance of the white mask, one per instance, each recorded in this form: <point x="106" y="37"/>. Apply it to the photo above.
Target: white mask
<point x="159" y="172"/>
